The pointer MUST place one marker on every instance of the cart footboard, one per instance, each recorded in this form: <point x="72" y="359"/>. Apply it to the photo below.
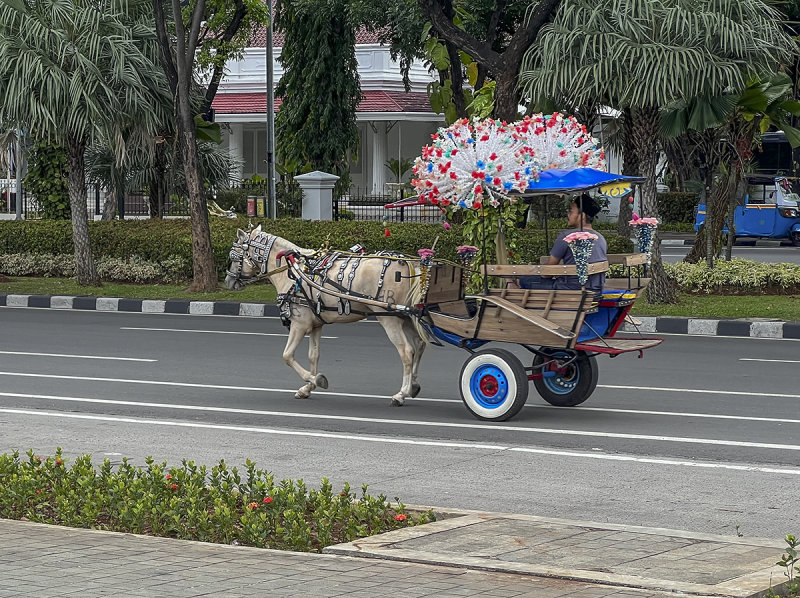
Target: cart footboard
<point x="616" y="346"/>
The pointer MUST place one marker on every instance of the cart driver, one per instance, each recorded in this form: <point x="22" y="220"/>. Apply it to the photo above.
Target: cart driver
<point x="561" y="253"/>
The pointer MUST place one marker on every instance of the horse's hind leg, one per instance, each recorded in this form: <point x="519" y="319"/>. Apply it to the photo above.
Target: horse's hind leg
<point x="394" y="330"/>
<point x="419" y="348"/>
<point x="297" y="332"/>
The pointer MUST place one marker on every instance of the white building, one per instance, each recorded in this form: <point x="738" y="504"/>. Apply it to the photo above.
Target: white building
<point x="391" y="122"/>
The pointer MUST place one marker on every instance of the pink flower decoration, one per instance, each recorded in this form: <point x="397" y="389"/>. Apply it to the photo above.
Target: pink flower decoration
<point x="579" y="236"/>
<point x="426" y="254"/>
<point x="446" y="225"/>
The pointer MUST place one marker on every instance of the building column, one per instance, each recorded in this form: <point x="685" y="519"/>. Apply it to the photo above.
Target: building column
<point x="236" y="147"/>
<point x="380" y="142"/>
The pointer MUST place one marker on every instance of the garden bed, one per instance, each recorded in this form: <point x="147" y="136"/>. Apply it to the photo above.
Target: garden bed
<point x="221" y="505"/>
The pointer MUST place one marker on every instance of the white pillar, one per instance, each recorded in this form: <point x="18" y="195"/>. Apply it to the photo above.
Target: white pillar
<point x="317" y="190"/>
<point x="236" y="147"/>
<point x="379" y="151"/>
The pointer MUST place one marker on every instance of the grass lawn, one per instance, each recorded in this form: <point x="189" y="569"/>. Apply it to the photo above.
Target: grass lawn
<point x="781" y="307"/>
<point x="263" y="293"/>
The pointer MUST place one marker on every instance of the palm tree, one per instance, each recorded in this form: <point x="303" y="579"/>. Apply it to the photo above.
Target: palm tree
<point x="70" y="69"/>
<point x="646" y="54"/>
<point x="727" y="126"/>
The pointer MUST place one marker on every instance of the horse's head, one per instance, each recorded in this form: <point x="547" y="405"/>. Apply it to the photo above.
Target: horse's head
<point x="248" y="257"/>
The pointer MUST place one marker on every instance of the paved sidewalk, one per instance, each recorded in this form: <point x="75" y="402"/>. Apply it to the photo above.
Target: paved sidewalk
<point x="467" y="554"/>
<point x="38" y="560"/>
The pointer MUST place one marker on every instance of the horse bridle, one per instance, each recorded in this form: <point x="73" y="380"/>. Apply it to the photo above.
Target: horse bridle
<point x="239" y="253"/>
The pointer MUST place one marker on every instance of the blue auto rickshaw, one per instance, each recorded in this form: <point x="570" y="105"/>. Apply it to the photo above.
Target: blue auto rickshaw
<point x="769" y="209"/>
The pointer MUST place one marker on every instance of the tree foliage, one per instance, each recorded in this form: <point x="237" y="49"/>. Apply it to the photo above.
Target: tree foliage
<point x="316" y="123"/>
<point x="48" y="180"/>
<point x="71" y="69"/>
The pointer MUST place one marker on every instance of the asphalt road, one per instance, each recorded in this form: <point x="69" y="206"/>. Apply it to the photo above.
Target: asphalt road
<point x="702" y="434"/>
<point x="790" y="255"/>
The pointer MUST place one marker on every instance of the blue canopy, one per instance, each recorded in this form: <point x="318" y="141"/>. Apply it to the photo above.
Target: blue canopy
<point x="577" y="180"/>
<point x="552" y="181"/>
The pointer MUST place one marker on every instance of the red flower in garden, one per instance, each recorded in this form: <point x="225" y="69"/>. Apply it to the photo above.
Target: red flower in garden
<point x="174" y="486"/>
<point x="400" y="517"/>
<point x="38" y="492"/>
<point x="386" y="233"/>
<point x="169" y="477"/>
<point x="253" y="505"/>
<point x="59" y="461"/>
<point x="268" y="499"/>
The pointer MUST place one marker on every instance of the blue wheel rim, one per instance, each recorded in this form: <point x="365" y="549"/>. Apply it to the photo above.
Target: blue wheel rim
<point x="489" y="386"/>
<point x="561" y="384"/>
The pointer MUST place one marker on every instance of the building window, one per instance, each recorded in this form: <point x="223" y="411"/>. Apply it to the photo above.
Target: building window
<point x="255" y="152"/>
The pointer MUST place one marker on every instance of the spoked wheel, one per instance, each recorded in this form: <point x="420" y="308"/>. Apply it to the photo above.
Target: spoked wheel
<point x="565" y="382"/>
<point x="494" y="385"/>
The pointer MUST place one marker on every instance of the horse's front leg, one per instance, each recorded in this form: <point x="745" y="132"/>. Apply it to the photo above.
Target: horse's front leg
<point x="394" y="330"/>
<point x="297" y="332"/>
<point x="313" y="358"/>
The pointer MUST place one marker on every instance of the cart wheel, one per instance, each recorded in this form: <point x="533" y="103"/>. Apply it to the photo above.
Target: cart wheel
<point x="494" y="385"/>
<point x="795" y="238"/>
<point x="569" y="387"/>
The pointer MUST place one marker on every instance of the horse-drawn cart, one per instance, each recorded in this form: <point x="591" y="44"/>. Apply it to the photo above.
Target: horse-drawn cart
<point x="563" y="329"/>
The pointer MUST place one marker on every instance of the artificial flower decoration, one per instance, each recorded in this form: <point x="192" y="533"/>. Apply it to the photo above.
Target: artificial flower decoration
<point x="581" y="243"/>
<point x="559" y="142"/>
<point x="472" y="164"/>
<point x="644" y="232"/>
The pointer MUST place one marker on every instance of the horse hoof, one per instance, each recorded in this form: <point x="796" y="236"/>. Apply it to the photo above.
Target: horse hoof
<point x="321" y="381"/>
<point x="415" y="388"/>
<point x="398" y="402"/>
<point x="299" y="395"/>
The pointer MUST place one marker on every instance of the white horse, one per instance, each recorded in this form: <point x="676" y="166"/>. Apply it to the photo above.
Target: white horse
<point x="258" y="254"/>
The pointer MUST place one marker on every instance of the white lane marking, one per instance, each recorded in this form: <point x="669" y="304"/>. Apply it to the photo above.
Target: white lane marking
<point x="372" y="396"/>
<point x="75" y="356"/>
<point x="406" y="441"/>
<point x="715" y="336"/>
<point x="422" y="423"/>
<point x="742" y="393"/>
<point x="212" y="331"/>
<point x="776" y="420"/>
<point x="769" y="360"/>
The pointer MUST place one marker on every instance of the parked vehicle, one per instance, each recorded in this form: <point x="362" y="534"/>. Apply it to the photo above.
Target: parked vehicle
<point x="769" y="209"/>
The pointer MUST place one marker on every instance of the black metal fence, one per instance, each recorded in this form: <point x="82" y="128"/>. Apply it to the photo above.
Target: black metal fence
<point x="359" y="204"/>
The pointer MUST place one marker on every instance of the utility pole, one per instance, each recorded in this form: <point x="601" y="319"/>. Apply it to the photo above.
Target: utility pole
<point x="272" y="200"/>
<point x="20" y="174"/>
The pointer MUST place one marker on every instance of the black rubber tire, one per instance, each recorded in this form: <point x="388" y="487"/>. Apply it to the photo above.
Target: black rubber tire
<point x="513" y="384"/>
<point x="795" y="238"/>
<point x="582" y="374"/>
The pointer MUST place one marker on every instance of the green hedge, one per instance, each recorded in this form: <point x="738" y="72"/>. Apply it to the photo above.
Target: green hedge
<point x="677" y="206"/>
<point x="161" y="240"/>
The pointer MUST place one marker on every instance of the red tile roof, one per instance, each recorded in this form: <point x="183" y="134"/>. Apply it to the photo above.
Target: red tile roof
<point x="372" y="101"/>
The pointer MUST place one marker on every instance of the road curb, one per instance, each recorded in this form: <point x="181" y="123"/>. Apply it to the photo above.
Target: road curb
<point x="776" y="329"/>
<point x="148" y="306"/>
<point x="738" y="243"/>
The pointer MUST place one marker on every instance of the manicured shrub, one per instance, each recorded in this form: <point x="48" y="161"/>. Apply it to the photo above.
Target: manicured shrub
<point x="220" y="505"/>
<point x="737" y="277"/>
<point x="158" y="241"/>
<point x="677" y="206"/>
<point x="132" y="269"/>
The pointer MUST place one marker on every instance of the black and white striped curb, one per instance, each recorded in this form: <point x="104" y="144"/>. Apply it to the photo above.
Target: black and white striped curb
<point x="738" y="243"/>
<point x="649" y="324"/>
<point x="710" y="327"/>
<point x="148" y="306"/>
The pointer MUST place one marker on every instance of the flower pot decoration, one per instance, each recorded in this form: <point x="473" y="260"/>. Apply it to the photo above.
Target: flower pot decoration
<point x="559" y="142"/>
<point x="466" y="254"/>
<point x="644" y="230"/>
<point x="581" y="244"/>
<point x="472" y="164"/>
<point x="425" y="260"/>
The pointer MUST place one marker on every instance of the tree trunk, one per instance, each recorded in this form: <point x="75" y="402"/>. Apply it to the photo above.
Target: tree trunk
<point x="85" y="269"/>
<point x="505" y="97"/>
<point x="630" y="167"/>
<point x="644" y="133"/>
